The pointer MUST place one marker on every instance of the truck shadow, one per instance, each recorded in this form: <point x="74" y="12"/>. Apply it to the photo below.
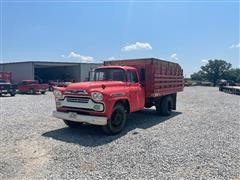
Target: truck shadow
<point x="91" y="136"/>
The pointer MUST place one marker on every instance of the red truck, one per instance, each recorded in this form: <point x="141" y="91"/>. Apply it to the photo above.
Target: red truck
<point x="118" y="88"/>
<point x="6" y="76"/>
<point x="6" y="87"/>
<point x="32" y="87"/>
<point x="53" y="84"/>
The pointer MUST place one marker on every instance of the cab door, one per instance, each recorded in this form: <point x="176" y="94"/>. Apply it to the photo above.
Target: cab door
<point x="22" y="86"/>
<point x="135" y="91"/>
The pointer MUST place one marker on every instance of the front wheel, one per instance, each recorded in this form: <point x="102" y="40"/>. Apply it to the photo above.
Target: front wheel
<point x="117" y="121"/>
<point x="72" y="124"/>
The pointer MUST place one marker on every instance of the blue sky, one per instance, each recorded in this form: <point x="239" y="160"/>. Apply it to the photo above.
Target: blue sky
<point x="188" y="33"/>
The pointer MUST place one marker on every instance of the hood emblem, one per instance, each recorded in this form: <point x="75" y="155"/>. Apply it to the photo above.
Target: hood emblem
<point x="75" y="91"/>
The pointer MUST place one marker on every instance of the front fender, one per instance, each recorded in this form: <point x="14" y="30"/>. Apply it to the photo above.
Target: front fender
<point x="111" y="101"/>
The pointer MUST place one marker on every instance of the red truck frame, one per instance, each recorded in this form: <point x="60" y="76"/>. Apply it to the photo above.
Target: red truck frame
<point x="118" y="88"/>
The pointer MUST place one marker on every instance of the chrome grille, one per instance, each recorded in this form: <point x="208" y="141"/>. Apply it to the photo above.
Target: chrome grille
<point x="75" y="91"/>
<point x="78" y="99"/>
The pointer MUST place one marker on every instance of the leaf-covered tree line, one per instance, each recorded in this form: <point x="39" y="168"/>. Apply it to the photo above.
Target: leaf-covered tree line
<point x="215" y="70"/>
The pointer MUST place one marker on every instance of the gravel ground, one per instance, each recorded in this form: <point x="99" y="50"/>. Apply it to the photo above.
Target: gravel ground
<point x="199" y="141"/>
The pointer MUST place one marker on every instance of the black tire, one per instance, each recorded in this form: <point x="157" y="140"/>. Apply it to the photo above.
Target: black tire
<point x="12" y="94"/>
<point x="50" y="88"/>
<point x="117" y="121"/>
<point x="220" y="88"/>
<point x="32" y="91"/>
<point x="72" y="124"/>
<point x="165" y="106"/>
<point x="43" y="92"/>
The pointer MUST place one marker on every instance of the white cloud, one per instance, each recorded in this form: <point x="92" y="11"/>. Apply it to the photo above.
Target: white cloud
<point x="111" y="58"/>
<point x="174" y="56"/>
<point x="77" y="56"/>
<point x="137" y="46"/>
<point x="204" y="60"/>
<point x="235" y="45"/>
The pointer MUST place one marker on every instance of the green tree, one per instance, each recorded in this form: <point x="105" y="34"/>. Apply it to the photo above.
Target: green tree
<point x="198" y="76"/>
<point x="214" y="70"/>
<point x="232" y="75"/>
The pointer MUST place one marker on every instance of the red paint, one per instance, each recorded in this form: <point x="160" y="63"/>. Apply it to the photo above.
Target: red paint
<point x="26" y="86"/>
<point x="7" y="76"/>
<point x="161" y="78"/>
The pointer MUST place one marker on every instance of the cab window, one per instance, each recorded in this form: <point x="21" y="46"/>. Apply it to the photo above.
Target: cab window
<point x="132" y="77"/>
<point x="110" y="74"/>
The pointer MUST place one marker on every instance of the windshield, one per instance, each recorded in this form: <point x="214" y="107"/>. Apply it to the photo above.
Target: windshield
<point x="109" y="75"/>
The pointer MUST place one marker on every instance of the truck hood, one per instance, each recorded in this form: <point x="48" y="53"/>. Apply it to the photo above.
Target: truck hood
<point x="94" y="85"/>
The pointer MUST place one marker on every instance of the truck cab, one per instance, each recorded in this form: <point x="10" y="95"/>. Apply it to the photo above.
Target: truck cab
<point x="7" y="88"/>
<point x="111" y="87"/>
<point x="113" y="92"/>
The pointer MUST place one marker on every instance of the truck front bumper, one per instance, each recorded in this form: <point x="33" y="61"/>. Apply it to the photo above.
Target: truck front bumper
<point x="72" y="116"/>
<point x="6" y="91"/>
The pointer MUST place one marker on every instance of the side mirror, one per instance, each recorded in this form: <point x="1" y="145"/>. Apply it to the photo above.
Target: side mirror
<point x="142" y="84"/>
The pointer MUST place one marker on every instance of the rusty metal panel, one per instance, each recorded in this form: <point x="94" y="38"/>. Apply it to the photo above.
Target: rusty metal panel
<point x="161" y="77"/>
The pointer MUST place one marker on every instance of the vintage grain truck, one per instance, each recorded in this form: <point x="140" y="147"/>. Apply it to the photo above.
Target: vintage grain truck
<point x="118" y="88"/>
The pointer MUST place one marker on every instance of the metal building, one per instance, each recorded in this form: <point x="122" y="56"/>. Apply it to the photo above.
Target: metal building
<point x="46" y="71"/>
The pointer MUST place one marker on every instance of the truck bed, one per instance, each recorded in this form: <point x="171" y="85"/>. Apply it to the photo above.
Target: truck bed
<point x="231" y="89"/>
<point x="160" y="77"/>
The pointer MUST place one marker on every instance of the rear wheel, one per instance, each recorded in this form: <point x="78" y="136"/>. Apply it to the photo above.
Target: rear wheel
<point x="12" y="94"/>
<point x="165" y="106"/>
<point x="43" y="92"/>
<point x="32" y="91"/>
<point x="117" y="121"/>
<point x="72" y="124"/>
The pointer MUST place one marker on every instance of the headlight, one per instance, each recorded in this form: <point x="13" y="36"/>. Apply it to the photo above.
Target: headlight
<point x="96" y="96"/>
<point x="57" y="94"/>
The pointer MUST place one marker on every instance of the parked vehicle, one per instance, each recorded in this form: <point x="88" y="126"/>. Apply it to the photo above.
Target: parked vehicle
<point x="6" y="76"/>
<point x="7" y="88"/>
<point x="119" y="88"/>
<point x="53" y="84"/>
<point x="32" y="87"/>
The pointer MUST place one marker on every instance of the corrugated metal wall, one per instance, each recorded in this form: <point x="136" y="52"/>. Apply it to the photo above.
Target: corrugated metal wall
<point x="85" y="69"/>
<point x="25" y="70"/>
<point x="20" y="71"/>
<point x="1" y="67"/>
<point x="75" y="72"/>
<point x="52" y="73"/>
